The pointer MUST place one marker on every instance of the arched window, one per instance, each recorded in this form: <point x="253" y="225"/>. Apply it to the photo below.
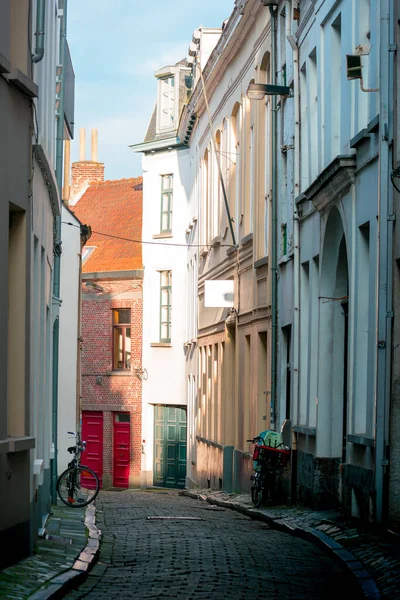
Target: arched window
<point x="234" y="174"/>
<point x="264" y="173"/>
<point x="247" y="165"/>
<point x="225" y="169"/>
<point x="217" y="190"/>
<point x="204" y="208"/>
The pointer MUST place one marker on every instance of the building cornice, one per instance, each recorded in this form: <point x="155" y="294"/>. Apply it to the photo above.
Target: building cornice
<point x="133" y="274"/>
<point x="48" y="175"/>
<point x="224" y="53"/>
<point x="331" y="182"/>
<point x="163" y="144"/>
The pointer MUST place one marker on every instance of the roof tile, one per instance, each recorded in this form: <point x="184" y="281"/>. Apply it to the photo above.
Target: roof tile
<point x="113" y="208"/>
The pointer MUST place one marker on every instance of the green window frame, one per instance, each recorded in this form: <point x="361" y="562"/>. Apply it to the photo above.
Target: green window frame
<point x="284" y="239"/>
<point x="165" y="305"/>
<point x="166" y="203"/>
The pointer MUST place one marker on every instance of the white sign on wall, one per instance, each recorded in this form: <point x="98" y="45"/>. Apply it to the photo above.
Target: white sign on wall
<point x="218" y="293"/>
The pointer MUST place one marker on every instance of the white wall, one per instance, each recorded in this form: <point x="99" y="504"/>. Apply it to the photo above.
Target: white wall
<point x="45" y="77"/>
<point x="69" y="333"/>
<point x="41" y="325"/>
<point x="166" y="383"/>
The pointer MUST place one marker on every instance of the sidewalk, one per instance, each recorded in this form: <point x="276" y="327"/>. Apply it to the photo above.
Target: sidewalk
<point x="64" y="555"/>
<point x="373" y="557"/>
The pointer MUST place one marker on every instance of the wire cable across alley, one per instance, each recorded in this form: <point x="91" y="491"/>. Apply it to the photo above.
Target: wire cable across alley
<point x="117" y="237"/>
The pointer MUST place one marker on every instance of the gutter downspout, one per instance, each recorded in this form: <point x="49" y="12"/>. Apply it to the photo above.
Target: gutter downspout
<point x="57" y="257"/>
<point x="274" y="212"/>
<point x="296" y="246"/>
<point x="40" y="31"/>
<point x="384" y="260"/>
<point x="296" y="225"/>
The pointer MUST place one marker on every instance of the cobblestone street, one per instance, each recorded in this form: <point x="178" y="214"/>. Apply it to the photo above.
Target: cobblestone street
<point x="158" y="544"/>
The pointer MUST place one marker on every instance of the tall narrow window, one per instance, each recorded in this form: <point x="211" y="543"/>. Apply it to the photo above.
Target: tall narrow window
<point x="167" y="112"/>
<point x="304" y="155"/>
<point x="166" y="203"/>
<point x="165" y="305"/>
<point x="234" y="170"/>
<point x="121" y="320"/>
<point x="216" y="193"/>
<point x="313" y="113"/>
<point x="336" y="55"/>
<point x="205" y="208"/>
<point x="284" y="239"/>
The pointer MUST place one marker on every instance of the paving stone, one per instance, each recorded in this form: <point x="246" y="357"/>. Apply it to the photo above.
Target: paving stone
<point x="379" y="555"/>
<point x="222" y="555"/>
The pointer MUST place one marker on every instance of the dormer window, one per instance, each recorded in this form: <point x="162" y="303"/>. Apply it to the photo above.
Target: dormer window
<point x="167" y="101"/>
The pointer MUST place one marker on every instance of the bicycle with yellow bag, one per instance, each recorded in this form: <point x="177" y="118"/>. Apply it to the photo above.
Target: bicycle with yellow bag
<point x="270" y="457"/>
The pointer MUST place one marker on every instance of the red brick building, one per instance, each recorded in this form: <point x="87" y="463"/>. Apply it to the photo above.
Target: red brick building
<point x="111" y="369"/>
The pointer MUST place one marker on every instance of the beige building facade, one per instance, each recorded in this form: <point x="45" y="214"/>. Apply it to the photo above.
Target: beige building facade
<point x="232" y="228"/>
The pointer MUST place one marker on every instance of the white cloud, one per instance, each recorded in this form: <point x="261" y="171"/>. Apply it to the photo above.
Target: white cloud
<point x="160" y="57"/>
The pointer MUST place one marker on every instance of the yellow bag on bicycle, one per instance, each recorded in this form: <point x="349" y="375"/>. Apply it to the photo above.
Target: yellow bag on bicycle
<point x="272" y="438"/>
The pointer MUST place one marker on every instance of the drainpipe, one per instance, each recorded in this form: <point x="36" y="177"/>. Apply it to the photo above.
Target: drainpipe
<point x="57" y="257"/>
<point x="296" y="225"/>
<point x="274" y="211"/>
<point x="40" y="31"/>
<point x="296" y="246"/>
<point x="384" y="259"/>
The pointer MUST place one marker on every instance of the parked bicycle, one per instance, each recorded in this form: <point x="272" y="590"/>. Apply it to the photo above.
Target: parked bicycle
<point x="270" y="457"/>
<point x="78" y="486"/>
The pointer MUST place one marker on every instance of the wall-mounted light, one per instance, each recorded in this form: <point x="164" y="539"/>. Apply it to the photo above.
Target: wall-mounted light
<point x="257" y="91"/>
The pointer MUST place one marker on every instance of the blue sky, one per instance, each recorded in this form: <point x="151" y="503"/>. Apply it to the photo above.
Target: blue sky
<point x="116" y="45"/>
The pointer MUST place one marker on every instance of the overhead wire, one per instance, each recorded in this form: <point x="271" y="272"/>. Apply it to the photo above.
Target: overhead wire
<point x="118" y="237"/>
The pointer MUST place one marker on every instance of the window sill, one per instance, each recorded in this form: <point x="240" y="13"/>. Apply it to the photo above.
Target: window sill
<point x="361" y="137"/>
<point x="303" y="430"/>
<point x="160" y="345"/>
<point x="25" y="85"/>
<point x="160" y="236"/>
<point x="286" y="257"/>
<point x="261" y="262"/>
<point x="121" y="373"/>
<point x="248" y="239"/>
<point x="5" y="65"/>
<point x="17" y="444"/>
<point x="215" y="242"/>
<point x="360" y="440"/>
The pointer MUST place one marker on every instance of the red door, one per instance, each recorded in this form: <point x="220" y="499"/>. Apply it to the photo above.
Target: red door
<point x="122" y="436"/>
<point x="92" y="433"/>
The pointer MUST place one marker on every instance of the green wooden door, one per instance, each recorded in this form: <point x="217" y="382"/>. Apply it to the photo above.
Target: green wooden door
<point x="169" y="446"/>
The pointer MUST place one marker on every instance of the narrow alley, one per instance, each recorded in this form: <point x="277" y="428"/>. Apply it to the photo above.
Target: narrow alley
<point x="159" y="544"/>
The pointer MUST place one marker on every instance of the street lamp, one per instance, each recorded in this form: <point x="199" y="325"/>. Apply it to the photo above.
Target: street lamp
<point x="257" y="91"/>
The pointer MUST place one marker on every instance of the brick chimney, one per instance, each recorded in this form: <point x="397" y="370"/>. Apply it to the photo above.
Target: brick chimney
<point x="85" y="171"/>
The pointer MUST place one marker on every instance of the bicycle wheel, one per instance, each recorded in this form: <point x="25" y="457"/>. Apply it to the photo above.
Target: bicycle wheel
<point x="257" y="490"/>
<point x="78" y="486"/>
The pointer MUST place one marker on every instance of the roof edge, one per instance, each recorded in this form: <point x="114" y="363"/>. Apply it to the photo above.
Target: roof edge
<point x="156" y="144"/>
<point x="134" y="273"/>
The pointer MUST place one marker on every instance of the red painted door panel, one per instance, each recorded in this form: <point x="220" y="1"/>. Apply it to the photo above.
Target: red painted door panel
<point x="92" y="433"/>
<point x="121" y="451"/>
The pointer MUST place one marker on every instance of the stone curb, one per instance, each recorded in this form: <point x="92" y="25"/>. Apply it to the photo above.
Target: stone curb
<point x="324" y="541"/>
<point x="61" y="584"/>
